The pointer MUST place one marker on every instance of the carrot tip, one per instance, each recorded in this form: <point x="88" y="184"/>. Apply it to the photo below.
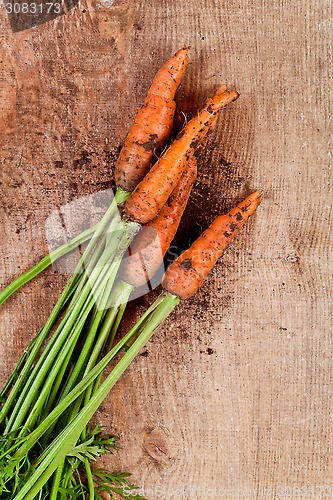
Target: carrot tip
<point x="235" y="94"/>
<point x="258" y="195"/>
<point x="224" y="89"/>
<point x="184" y="50"/>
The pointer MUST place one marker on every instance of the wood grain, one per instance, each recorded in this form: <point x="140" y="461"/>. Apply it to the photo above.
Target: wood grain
<point x="235" y="391"/>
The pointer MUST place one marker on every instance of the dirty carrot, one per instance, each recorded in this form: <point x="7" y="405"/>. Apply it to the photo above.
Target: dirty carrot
<point x="150" y="195"/>
<point x="152" y="125"/>
<point x="46" y="445"/>
<point x="188" y="272"/>
<point x="151" y="243"/>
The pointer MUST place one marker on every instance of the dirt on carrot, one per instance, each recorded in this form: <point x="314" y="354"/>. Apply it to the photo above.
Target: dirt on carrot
<point x="153" y="191"/>
<point x="153" y="124"/>
<point x="150" y="245"/>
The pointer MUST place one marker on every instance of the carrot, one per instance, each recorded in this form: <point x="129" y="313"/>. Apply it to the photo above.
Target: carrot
<point x="152" y="125"/>
<point x="188" y="272"/>
<point x="150" y="195"/>
<point x="151" y="243"/>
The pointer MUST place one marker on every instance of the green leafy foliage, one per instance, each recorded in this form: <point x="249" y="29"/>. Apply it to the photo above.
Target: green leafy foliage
<point x="13" y="475"/>
<point x="115" y="482"/>
<point x="95" y="444"/>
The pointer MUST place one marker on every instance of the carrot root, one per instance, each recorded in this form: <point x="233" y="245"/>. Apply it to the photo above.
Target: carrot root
<point x="188" y="272"/>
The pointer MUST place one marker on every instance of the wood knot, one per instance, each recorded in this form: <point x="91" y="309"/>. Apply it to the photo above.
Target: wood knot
<point x="292" y="257"/>
<point x="160" y="446"/>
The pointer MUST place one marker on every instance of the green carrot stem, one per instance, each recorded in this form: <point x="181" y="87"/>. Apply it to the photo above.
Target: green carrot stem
<point x="120" y="197"/>
<point x="29" y="392"/>
<point x="19" y="366"/>
<point x="57" y="477"/>
<point x="111" y="324"/>
<point x="91" y="488"/>
<point x="28" y="414"/>
<point x="23" y="448"/>
<point x="92" y="258"/>
<point x="101" y="272"/>
<point x="116" y="246"/>
<point x="118" y="319"/>
<point x="120" y="296"/>
<point x="118" y="300"/>
<point x="101" y="297"/>
<point x="112" y="211"/>
<point x="58" y="381"/>
<point x="76" y="374"/>
<point x="62" y="445"/>
<point x="117" y="305"/>
<point x="95" y="374"/>
<point x="45" y="262"/>
<point x="34" y="348"/>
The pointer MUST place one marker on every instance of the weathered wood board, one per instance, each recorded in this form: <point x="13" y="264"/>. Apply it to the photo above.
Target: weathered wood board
<point x="235" y="391"/>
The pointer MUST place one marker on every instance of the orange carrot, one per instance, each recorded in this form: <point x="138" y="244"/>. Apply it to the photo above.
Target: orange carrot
<point x="188" y="272"/>
<point x="151" y="243"/>
<point x="150" y="195"/>
<point x="153" y="123"/>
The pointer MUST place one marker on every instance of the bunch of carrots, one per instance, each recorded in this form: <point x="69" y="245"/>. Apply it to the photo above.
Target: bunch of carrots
<point x="48" y="446"/>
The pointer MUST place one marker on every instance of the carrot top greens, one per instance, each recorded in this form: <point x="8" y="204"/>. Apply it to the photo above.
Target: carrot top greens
<point x="48" y="445"/>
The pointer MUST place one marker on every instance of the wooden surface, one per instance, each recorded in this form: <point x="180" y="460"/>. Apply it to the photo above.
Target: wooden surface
<point x="235" y="391"/>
